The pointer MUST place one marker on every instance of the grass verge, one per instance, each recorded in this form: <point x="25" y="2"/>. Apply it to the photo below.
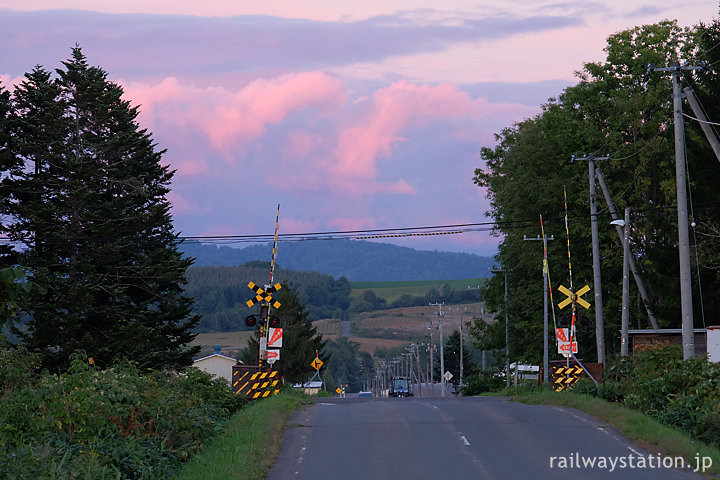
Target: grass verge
<point x="642" y="429"/>
<point x="248" y="446"/>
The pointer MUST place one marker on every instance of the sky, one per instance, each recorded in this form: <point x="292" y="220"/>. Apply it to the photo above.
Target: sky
<point x="350" y="115"/>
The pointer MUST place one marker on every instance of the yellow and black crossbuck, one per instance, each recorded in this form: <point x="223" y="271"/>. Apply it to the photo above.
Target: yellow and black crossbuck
<point x="264" y="295"/>
<point x="565" y="377"/>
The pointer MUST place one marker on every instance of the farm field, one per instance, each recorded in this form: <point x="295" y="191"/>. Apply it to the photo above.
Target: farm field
<point x="410" y="324"/>
<point x="382" y="328"/>
<point x="391" y="291"/>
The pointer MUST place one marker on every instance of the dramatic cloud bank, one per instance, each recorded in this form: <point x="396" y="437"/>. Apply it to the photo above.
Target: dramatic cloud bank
<point x="351" y="115"/>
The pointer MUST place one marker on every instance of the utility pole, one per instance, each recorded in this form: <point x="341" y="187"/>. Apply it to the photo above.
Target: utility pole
<point x="702" y="119"/>
<point x="597" y="279"/>
<point x="625" y="318"/>
<point x="688" y="334"/>
<point x="461" y="357"/>
<point x="507" y="330"/>
<point x="631" y="259"/>
<point x="546" y="339"/>
<point x="431" y="376"/>
<point x="440" y="314"/>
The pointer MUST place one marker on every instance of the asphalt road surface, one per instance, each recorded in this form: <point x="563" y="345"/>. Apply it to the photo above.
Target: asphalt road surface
<point x="458" y="438"/>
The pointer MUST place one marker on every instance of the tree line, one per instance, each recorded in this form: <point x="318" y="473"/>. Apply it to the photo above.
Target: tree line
<point x="616" y="108"/>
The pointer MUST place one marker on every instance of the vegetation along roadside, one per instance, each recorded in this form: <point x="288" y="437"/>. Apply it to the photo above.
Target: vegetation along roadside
<point x="249" y="444"/>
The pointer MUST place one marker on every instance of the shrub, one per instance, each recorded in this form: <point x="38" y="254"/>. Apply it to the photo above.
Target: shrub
<point x="657" y="381"/>
<point x="113" y="423"/>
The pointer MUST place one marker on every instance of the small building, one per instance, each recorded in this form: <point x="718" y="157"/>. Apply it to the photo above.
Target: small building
<point x="310" y="388"/>
<point x="713" y="343"/>
<point x="640" y="339"/>
<point x="217" y="364"/>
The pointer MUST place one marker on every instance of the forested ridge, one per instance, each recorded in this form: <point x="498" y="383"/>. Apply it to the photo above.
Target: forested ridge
<point x="355" y="260"/>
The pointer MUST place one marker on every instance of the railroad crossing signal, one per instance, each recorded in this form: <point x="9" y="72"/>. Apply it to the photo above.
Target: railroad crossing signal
<point x="264" y="295"/>
<point x="574" y="297"/>
<point x="565" y="377"/>
<point x="316" y="363"/>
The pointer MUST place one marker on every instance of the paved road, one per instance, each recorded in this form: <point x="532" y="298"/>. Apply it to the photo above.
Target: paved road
<point x="456" y="438"/>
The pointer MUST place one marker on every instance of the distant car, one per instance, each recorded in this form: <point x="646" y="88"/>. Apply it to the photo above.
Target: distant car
<point x="365" y="395"/>
<point x="400" y="387"/>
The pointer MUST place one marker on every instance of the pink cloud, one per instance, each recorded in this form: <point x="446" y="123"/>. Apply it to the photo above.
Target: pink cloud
<point x="232" y="119"/>
<point x="296" y="225"/>
<point x="344" y="224"/>
<point x="183" y="205"/>
<point x="392" y="110"/>
<point x="301" y="144"/>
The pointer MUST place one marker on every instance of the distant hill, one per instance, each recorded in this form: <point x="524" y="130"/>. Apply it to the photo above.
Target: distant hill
<point x="355" y="260"/>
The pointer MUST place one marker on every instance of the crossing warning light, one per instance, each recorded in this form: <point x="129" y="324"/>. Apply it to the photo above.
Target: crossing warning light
<point x="250" y="320"/>
<point x="274" y="322"/>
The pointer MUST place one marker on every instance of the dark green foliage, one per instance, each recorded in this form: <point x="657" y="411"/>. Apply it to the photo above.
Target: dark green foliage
<point x="483" y="382"/>
<point x="111" y="423"/>
<point x="86" y="192"/>
<point x="220" y="293"/>
<point x="452" y="360"/>
<point x="616" y="109"/>
<point x="657" y="381"/>
<point x="344" y="365"/>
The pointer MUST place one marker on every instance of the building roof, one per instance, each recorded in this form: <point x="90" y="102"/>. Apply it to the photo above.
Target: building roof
<point x="217" y="355"/>
<point x="313" y="384"/>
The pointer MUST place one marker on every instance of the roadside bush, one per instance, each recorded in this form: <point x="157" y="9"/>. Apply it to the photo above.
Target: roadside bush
<point x="657" y="381"/>
<point x="112" y="423"/>
<point x="488" y="381"/>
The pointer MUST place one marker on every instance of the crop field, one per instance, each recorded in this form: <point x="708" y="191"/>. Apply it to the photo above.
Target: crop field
<point x="391" y="291"/>
<point x="410" y="324"/>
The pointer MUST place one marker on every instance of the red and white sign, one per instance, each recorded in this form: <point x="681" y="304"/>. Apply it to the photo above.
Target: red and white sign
<point x="563" y="338"/>
<point x="276" y="335"/>
<point x="273" y="356"/>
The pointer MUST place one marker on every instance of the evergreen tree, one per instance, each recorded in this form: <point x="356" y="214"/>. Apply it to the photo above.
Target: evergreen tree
<point x="451" y="351"/>
<point x="88" y="196"/>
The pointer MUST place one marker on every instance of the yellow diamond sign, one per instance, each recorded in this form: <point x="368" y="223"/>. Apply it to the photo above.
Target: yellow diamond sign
<point x="316" y="363"/>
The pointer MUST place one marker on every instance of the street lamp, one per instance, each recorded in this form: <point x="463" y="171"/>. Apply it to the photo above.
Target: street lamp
<point x="625" y="318"/>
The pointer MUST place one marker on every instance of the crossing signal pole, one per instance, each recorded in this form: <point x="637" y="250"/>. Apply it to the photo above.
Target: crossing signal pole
<point x="688" y="334"/>
<point x="546" y="339"/>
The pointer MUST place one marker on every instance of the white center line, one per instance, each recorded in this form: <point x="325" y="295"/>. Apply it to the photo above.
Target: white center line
<point x="465" y="440"/>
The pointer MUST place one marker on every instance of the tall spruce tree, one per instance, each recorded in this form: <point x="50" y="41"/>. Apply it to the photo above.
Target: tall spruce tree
<point x="88" y="197"/>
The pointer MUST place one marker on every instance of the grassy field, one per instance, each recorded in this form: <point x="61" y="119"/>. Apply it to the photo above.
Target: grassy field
<point x="391" y="291"/>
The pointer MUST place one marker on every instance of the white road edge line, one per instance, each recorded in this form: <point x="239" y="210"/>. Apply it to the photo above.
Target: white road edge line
<point x="436" y="407"/>
<point x="635" y="451"/>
